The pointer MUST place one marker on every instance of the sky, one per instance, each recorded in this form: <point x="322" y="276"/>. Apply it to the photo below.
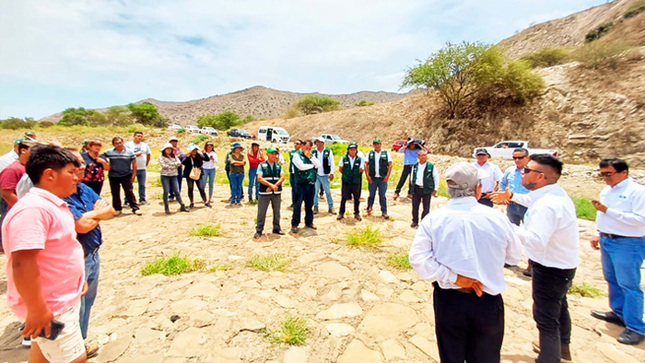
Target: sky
<point x="56" y="54"/>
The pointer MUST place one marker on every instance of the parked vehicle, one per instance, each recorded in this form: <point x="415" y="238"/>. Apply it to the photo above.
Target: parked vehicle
<point x="193" y="128"/>
<point x="239" y="133"/>
<point x="504" y="149"/>
<point x="209" y="130"/>
<point x="175" y="127"/>
<point x="333" y="139"/>
<point x="273" y="134"/>
<point x="398" y="144"/>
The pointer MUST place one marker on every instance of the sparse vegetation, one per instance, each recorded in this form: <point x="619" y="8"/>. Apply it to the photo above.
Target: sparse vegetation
<point x="312" y="104"/>
<point x="399" y="260"/>
<point x="200" y="138"/>
<point x="364" y="103"/>
<point x="219" y="267"/>
<point x="209" y="230"/>
<point x="291" y="112"/>
<point x="294" y="331"/>
<point x="600" y="54"/>
<point x="275" y="262"/>
<point x="547" y="57"/>
<point x="14" y="123"/>
<point x="585" y="290"/>
<point x="602" y="29"/>
<point x="222" y="121"/>
<point x="636" y="8"/>
<point x="366" y="236"/>
<point x="172" y="265"/>
<point x="584" y="208"/>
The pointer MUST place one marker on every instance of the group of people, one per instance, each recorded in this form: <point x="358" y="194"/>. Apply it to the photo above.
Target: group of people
<point x="52" y="209"/>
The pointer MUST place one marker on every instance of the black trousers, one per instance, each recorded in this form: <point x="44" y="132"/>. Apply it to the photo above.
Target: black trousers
<point x="125" y="182"/>
<point x="200" y="187"/>
<point x="96" y="186"/>
<point x="417" y="198"/>
<point x="348" y="191"/>
<point x="469" y="328"/>
<point x="304" y="193"/>
<point x="485" y="201"/>
<point x="263" y="204"/>
<point x="407" y="169"/>
<point x="551" y="310"/>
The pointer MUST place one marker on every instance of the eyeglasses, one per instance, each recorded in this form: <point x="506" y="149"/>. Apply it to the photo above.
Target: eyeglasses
<point x="606" y="174"/>
<point x="526" y="170"/>
<point x="518" y="157"/>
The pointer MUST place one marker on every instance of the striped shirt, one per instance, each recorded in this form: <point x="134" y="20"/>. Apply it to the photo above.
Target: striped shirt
<point x="120" y="162"/>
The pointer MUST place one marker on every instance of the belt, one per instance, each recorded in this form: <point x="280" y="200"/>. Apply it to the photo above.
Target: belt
<point x="464" y="290"/>
<point x="96" y="250"/>
<point x="614" y="236"/>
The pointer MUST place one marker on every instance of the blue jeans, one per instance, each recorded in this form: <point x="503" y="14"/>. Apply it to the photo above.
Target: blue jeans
<point x="170" y="187"/>
<point x="621" y="262"/>
<point x="253" y="181"/>
<point x="515" y="213"/>
<point x="141" y="180"/>
<point x="209" y="177"/>
<point x="92" y="266"/>
<point x="236" y="187"/>
<point x="324" y="181"/>
<point x="381" y="185"/>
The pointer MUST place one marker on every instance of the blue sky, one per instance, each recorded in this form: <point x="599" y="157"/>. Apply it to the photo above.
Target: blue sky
<point x="56" y="54"/>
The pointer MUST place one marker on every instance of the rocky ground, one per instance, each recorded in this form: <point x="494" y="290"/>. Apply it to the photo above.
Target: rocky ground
<point x="358" y="307"/>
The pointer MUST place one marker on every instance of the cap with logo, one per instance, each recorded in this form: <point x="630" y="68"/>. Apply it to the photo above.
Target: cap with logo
<point x="272" y="149"/>
<point x="464" y="175"/>
<point x="352" y="145"/>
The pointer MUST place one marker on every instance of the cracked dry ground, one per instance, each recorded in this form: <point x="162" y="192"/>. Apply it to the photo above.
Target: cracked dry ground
<point x="358" y="308"/>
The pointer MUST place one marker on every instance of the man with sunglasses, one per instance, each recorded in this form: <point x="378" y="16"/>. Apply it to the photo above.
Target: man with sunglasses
<point x="491" y="183"/>
<point x="551" y="242"/>
<point x="512" y="179"/>
<point x="621" y="241"/>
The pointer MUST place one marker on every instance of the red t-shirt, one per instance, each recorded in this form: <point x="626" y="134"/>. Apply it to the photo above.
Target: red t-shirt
<point x="11" y="175"/>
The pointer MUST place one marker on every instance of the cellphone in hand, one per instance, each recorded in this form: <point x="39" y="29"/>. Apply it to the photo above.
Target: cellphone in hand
<point x="56" y="328"/>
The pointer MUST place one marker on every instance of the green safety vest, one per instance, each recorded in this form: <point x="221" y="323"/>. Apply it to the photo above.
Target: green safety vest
<point x="383" y="164"/>
<point x="428" y="180"/>
<point x="227" y="163"/>
<point x="270" y="173"/>
<point x="325" y="163"/>
<point x="352" y="175"/>
<point x="291" y="167"/>
<point x="305" y="176"/>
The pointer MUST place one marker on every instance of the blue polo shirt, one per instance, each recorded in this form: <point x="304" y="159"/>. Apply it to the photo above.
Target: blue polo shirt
<point x="120" y="162"/>
<point x="81" y="202"/>
<point x="410" y="156"/>
<point x="513" y="180"/>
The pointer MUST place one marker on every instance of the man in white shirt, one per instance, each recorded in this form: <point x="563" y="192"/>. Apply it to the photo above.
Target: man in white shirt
<point x="325" y="158"/>
<point x="142" y="154"/>
<point x="351" y="166"/>
<point x="491" y="183"/>
<point x="424" y="182"/>
<point x="8" y="158"/>
<point x="305" y="166"/>
<point x="378" y="166"/>
<point x="551" y="242"/>
<point x="621" y="240"/>
<point x="461" y="248"/>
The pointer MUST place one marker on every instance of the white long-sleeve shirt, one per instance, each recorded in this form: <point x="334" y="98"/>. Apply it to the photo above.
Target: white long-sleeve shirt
<point x="421" y="171"/>
<point x="465" y="238"/>
<point x="550" y="233"/>
<point x="494" y="176"/>
<point x="625" y="215"/>
<point x="320" y="157"/>
<point x="298" y="163"/>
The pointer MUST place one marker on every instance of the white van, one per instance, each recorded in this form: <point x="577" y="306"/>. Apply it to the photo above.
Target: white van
<point x="273" y="134"/>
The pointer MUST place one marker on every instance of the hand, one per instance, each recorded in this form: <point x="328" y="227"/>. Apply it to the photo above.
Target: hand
<point x="331" y="177"/>
<point x="386" y="179"/>
<point x="101" y="204"/>
<point x="595" y="243"/>
<point x="467" y="282"/>
<point x="500" y="197"/>
<point x="369" y="180"/>
<point x="38" y="320"/>
<point x="85" y="288"/>
<point x="434" y="193"/>
<point x="599" y="206"/>
<point x="308" y="154"/>
<point x="133" y="177"/>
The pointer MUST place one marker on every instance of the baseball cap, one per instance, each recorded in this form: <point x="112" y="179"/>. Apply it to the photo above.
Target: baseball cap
<point x="376" y="141"/>
<point x="272" y="149"/>
<point x="319" y="138"/>
<point x="173" y="138"/>
<point x="481" y="152"/>
<point x="352" y="145"/>
<point x="235" y="145"/>
<point x="192" y="147"/>
<point x="464" y="175"/>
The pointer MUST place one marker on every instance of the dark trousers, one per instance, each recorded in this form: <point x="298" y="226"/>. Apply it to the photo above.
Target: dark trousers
<point x="550" y="309"/>
<point x="515" y="213"/>
<point x="485" y="201"/>
<point x="96" y="186"/>
<point x="417" y="198"/>
<point x="469" y="328"/>
<point x="292" y="181"/>
<point x="304" y="193"/>
<point x="125" y="182"/>
<point x="263" y="205"/>
<point x="200" y="187"/>
<point x="348" y="191"/>
<point x="407" y="169"/>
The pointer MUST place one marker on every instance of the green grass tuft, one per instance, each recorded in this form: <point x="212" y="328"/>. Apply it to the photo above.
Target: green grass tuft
<point x="584" y="208"/>
<point x="294" y="331"/>
<point x="585" y="290"/>
<point x="210" y="230"/>
<point x="275" y="262"/>
<point x="399" y="260"/>
<point x="219" y="267"/>
<point x="366" y="236"/>
<point x="172" y="265"/>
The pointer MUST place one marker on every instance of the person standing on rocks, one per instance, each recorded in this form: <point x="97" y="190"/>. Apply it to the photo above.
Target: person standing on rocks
<point x="122" y="164"/>
<point x="325" y="158"/>
<point x="255" y="157"/>
<point x="621" y="241"/>
<point x="410" y="154"/>
<point x="170" y="164"/>
<point x="236" y="161"/>
<point x="179" y="153"/>
<point x="271" y="176"/>
<point x="95" y="166"/>
<point x="194" y="174"/>
<point x="551" y="242"/>
<point x="424" y="183"/>
<point x="351" y="166"/>
<point x="142" y="153"/>
<point x="306" y="175"/>
<point x="88" y="209"/>
<point x="379" y="168"/>
<point x="490" y="184"/>
<point x="45" y="269"/>
<point x="292" y="171"/>
<point x="461" y="249"/>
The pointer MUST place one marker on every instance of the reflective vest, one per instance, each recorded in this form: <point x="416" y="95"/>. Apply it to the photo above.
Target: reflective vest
<point x="291" y="167"/>
<point x="382" y="164"/>
<point x="428" y="180"/>
<point x="325" y="162"/>
<point x="352" y="175"/>
<point x="270" y="173"/>
<point x="305" y="176"/>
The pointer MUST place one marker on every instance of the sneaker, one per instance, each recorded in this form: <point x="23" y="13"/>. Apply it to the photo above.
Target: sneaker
<point x="26" y="342"/>
<point x="294" y="229"/>
<point x="340" y="217"/>
<point x="92" y="350"/>
<point x="144" y="202"/>
<point x="311" y="226"/>
<point x="331" y="210"/>
<point x="385" y="216"/>
<point x="414" y="225"/>
<point x="358" y="217"/>
<point x="369" y="211"/>
<point x="279" y="232"/>
<point x="315" y="210"/>
<point x="137" y="212"/>
<point x="208" y="205"/>
<point x="257" y="235"/>
<point x="183" y="208"/>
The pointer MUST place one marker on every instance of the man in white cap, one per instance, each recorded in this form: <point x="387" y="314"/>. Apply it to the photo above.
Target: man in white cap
<point x="461" y="248"/>
<point x="325" y="158"/>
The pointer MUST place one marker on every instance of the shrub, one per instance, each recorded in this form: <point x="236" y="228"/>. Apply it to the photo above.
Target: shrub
<point x="275" y="262"/>
<point x="14" y="123"/>
<point x="520" y="81"/>
<point x="584" y="208"/>
<point x="200" y="138"/>
<point x="364" y="103"/>
<point x="222" y="121"/>
<point x="210" y="230"/>
<point x="312" y="104"/>
<point x="291" y="112"/>
<point x="585" y="290"/>
<point x="547" y="57"/>
<point x="602" y="29"/>
<point x="635" y="9"/>
<point x="366" y="236"/>
<point x="136" y="127"/>
<point x="399" y="260"/>
<point x="173" y="265"/>
<point x="45" y="124"/>
<point x="294" y="331"/>
<point x="600" y="54"/>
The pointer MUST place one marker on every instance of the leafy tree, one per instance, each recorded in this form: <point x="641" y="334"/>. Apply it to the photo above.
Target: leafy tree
<point x="311" y="104"/>
<point x="119" y="116"/>
<point x="222" y="121"/>
<point x="75" y="116"/>
<point x="146" y="114"/>
<point x="96" y="118"/>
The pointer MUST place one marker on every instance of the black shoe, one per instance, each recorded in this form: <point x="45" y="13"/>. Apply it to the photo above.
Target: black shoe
<point x="208" y="205"/>
<point x="358" y="217"/>
<point x="565" y="352"/>
<point x="191" y="206"/>
<point x="166" y="209"/>
<point x="315" y="210"/>
<point x="527" y="273"/>
<point x="630" y="337"/>
<point x="608" y="316"/>
<point x="279" y="232"/>
<point x="294" y="229"/>
<point x="414" y="225"/>
<point x="183" y="208"/>
<point x="311" y="226"/>
<point x="257" y="235"/>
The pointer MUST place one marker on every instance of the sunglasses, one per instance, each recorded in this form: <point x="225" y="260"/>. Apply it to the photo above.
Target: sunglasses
<point x="526" y="170"/>
<point x="606" y="174"/>
<point x="518" y="157"/>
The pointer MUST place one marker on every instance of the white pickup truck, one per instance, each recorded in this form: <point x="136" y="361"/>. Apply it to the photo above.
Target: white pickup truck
<point x="504" y="149"/>
<point x="333" y="139"/>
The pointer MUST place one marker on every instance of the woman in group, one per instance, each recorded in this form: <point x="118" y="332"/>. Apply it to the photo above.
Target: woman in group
<point x="255" y="157"/>
<point x="95" y="166"/>
<point x="169" y="163"/>
<point x="237" y="162"/>
<point x="194" y="160"/>
<point x="210" y="166"/>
